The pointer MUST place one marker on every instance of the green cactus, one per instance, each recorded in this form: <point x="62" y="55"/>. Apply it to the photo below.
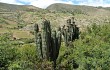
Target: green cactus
<point x="38" y="41"/>
<point x="70" y="31"/>
<point x="48" y="28"/>
<point x="58" y="40"/>
<point x="65" y="37"/>
<point x="48" y="43"/>
<point x="44" y="37"/>
<point x="36" y="28"/>
<point x="68" y="21"/>
<point x="56" y="43"/>
<point x="76" y="32"/>
<point x="39" y="45"/>
<point x="72" y="20"/>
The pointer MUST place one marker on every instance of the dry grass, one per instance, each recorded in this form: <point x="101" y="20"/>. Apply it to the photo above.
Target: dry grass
<point x="22" y="34"/>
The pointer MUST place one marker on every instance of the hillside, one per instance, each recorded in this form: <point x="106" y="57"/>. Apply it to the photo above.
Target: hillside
<point x="15" y="17"/>
<point x="59" y="7"/>
<point x="71" y="8"/>
<point x="22" y="17"/>
<point x="11" y="14"/>
<point x="13" y="8"/>
<point x="85" y="15"/>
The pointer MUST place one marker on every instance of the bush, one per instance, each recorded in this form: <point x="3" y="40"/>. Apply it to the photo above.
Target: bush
<point x="7" y="51"/>
<point x="15" y="56"/>
<point x="22" y="65"/>
<point x="27" y="52"/>
<point x="91" y="51"/>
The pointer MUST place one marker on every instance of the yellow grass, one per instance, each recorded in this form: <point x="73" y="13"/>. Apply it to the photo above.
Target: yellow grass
<point x="3" y="30"/>
<point x="22" y="34"/>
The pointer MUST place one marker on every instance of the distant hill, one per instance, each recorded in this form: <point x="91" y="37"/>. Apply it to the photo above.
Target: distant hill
<point x="71" y="8"/>
<point x="85" y="15"/>
<point x="59" y="7"/>
<point x="12" y="8"/>
<point x="9" y="12"/>
<point x="14" y="18"/>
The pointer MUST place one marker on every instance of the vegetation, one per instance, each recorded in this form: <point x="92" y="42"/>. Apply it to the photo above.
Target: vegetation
<point x="18" y="49"/>
<point x="90" y="51"/>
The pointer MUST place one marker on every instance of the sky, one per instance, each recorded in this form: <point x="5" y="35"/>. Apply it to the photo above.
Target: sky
<point x="46" y="3"/>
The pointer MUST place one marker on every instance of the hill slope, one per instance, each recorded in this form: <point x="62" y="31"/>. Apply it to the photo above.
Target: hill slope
<point x="71" y="8"/>
<point x="12" y="8"/>
<point x="24" y="16"/>
<point x="12" y="14"/>
<point x="59" y="7"/>
<point x="83" y="14"/>
<point x="15" y="17"/>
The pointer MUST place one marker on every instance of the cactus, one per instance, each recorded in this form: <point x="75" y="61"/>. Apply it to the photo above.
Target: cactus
<point x="36" y="28"/>
<point x="56" y="43"/>
<point x="72" y="20"/>
<point x="68" y="21"/>
<point x="38" y="41"/>
<point x="70" y="32"/>
<point x="44" y="34"/>
<point x="76" y="32"/>
<point x="39" y="46"/>
<point x="58" y="40"/>
<point x="48" y="43"/>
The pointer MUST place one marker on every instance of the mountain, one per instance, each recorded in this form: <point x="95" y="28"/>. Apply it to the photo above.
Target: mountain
<point x="71" y="8"/>
<point x="12" y="8"/>
<point x="59" y="7"/>
<point x="85" y="15"/>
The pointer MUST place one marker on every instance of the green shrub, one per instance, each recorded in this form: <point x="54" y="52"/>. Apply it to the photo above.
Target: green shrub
<point x="27" y="52"/>
<point x="89" y="52"/>
<point x="22" y="65"/>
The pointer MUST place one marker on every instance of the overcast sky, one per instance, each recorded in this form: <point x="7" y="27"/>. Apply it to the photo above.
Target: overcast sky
<point x="45" y="3"/>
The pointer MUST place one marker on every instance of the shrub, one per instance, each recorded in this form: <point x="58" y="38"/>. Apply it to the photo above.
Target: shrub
<point x="91" y="51"/>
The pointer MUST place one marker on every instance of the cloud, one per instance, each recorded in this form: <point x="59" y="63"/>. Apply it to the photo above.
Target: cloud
<point x="37" y="3"/>
<point x="104" y="3"/>
<point x="11" y="2"/>
<point x="45" y="3"/>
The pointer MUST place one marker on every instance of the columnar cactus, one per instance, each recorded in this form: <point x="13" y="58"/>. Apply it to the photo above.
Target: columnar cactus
<point x="70" y="31"/>
<point x="38" y="41"/>
<point x="46" y="36"/>
<point x="58" y="36"/>
<point x="56" y="42"/>
<point x="36" y="28"/>
<point x="39" y="46"/>
<point x="48" y="43"/>
<point x="76" y="32"/>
